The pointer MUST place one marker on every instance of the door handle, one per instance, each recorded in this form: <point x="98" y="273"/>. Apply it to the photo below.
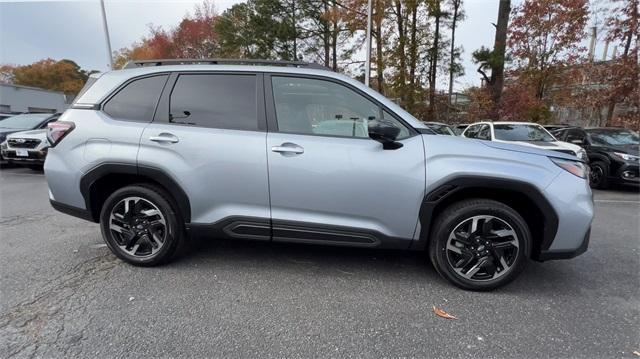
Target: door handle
<point x="164" y="138"/>
<point x="288" y="148"/>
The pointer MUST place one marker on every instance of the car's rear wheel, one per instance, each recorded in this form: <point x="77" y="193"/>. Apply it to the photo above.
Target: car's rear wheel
<point x="598" y="175"/>
<point x="141" y="226"/>
<point x="479" y="244"/>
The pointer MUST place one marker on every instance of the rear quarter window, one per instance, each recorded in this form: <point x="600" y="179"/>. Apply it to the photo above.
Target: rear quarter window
<point x="137" y="100"/>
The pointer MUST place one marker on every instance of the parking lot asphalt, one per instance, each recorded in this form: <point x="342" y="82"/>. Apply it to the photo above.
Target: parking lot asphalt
<point x="62" y="294"/>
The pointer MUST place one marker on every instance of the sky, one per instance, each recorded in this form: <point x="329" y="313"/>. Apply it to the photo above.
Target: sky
<point x="34" y="30"/>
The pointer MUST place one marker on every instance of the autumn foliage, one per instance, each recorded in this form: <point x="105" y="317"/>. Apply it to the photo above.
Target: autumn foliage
<point x="64" y="75"/>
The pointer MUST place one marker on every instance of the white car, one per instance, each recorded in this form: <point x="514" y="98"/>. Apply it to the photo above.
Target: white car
<point x="522" y="133"/>
<point x="27" y="148"/>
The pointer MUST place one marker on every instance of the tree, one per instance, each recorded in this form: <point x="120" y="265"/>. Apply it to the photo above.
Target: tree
<point x="545" y="37"/>
<point x="437" y="14"/>
<point x="257" y="29"/>
<point x="194" y="37"/>
<point x="158" y="45"/>
<point x="623" y="28"/>
<point x="455" y="68"/>
<point x="494" y="59"/>
<point x="64" y="75"/>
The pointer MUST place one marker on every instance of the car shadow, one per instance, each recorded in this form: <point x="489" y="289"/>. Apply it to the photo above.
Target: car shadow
<point x="548" y="279"/>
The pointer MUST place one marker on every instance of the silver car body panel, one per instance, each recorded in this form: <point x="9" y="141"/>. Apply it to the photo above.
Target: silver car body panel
<point x="341" y="182"/>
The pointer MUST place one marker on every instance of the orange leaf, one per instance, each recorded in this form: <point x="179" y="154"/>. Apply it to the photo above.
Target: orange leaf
<point x="441" y="313"/>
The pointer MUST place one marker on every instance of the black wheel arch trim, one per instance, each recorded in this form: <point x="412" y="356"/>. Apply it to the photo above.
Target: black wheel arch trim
<point x="154" y="174"/>
<point x="446" y="190"/>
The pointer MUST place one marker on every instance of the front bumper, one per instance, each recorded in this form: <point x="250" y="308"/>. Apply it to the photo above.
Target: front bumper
<point x="33" y="156"/>
<point x="546" y="255"/>
<point x="572" y="200"/>
<point x="628" y="173"/>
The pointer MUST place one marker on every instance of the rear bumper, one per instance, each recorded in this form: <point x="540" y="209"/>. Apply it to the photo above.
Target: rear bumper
<point x="546" y="255"/>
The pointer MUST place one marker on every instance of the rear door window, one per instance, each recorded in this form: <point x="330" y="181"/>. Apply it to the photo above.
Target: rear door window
<point x="137" y="101"/>
<point x="224" y="101"/>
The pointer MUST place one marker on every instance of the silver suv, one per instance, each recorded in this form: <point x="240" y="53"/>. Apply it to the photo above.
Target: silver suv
<point x="291" y="152"/>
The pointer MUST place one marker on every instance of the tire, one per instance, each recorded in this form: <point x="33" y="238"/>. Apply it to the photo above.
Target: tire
<point x="37" y="168"/>
<point x="157" y="236"/>
<point x="599" y="174"/>
<point x="504" y="237"/>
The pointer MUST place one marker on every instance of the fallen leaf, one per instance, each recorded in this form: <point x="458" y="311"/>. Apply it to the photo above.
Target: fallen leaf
<point x="441" y="313"/>
<point x="636" y="353"/>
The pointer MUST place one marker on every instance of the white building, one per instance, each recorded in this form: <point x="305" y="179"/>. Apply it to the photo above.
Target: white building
<point x="16" y="99"/>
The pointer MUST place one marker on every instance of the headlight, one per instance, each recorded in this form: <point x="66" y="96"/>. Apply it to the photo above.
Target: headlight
<point x="575" y="168"/>
<point x="627" y="157"/>
<point x="582" y="154"/>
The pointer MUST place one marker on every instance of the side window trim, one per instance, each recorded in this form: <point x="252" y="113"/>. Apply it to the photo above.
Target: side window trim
<point x="272" y="122"/>
<point x="163" y="109"/>
<point x="104" y="101"/>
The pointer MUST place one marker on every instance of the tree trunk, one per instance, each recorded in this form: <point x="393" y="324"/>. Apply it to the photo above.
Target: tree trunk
<point x="434" y="65"/>
<point x="401" y="52"/>
<point x="612" y="102"/>
<point x="326" y="36"/>
<point x="499" y="47"/>
<point x="379" y="45"/>
<point x="334" y="41"/>
<point x="454" y="21"/>
<point x="295" y="31"/>
<point x="413" y="57"/>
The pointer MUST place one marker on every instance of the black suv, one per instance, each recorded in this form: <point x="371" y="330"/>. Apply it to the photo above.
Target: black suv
<point x="613" y="153"/>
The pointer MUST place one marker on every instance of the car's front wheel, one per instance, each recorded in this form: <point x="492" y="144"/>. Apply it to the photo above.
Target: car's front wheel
<point x="479" y="244"/>
<point x="140" y="225"/>
<point x="598" y="175"/>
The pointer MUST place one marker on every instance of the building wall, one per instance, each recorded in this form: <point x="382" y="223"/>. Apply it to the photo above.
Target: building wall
<point x="19" y="99"/>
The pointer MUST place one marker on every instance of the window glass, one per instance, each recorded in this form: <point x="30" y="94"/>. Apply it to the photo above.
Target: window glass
<point x="137" y="101"/>
<point x="215" y="100"/>
<point x="318" y="107"/>
<point x="575" y="135"/>
<point x="484" y="133"/>
<point x="472" y="131"/>
<point x="614" y="137"/>
<point x="521" y="132"/>
<point x="25" y="121"/>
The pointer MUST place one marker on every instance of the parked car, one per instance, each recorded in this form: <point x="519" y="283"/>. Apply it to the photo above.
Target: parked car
<point x="440" y="128"/>
<point x="158" y="151"/>
<point x="458" y="129"/>
<point x="18" y="123"/>
<point x="27" y="148"/>
<point x="614" y="154"/>
<point x="523" y="133"/>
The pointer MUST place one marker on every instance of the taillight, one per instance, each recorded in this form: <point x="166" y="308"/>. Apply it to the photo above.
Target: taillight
<point x="57" y="130"/>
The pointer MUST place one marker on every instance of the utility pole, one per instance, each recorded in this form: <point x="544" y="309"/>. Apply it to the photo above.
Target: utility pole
<point x="106" y="35"/>
<point x="367" y="70"/>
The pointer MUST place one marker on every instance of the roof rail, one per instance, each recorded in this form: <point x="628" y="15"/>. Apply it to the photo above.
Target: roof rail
<point x="164" y="62"/>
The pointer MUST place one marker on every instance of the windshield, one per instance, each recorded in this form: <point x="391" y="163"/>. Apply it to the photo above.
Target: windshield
<point x="614" y="137"/>
<point x="522" y="132"/>
<point x="24" y="122"/>
<point x="441" y="129"/>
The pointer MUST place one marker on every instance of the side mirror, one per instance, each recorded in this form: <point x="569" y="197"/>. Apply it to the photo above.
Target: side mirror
<point x="386" y="133"/>
<point x="577" y="141"/>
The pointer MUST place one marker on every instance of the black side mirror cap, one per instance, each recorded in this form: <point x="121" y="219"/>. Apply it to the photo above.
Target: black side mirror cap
<point x="386" y="133"/>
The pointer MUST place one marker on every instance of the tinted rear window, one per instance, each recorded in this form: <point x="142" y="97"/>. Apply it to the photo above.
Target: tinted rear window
<point x="215" y="100"/>
<point x="136" y="101"/>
